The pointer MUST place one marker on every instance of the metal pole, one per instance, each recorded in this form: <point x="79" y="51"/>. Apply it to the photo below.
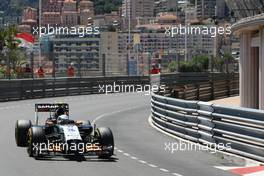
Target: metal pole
<point x="8" y="65"/>
<point x="32" y="64"/>
<point x="149" y="63"/>
<point x="103" y="64"/>
<point x="40" y="18"/>
<point x="137" y="61"/>
<point x="127" y="64"/>
<point x="79" y="67"/>
<point x="178" y="62"/>
<point x="211" y="63"/>
<point x="185" y="43"/>
<point x="129" y="37"/>
<point x="53" y="67"/>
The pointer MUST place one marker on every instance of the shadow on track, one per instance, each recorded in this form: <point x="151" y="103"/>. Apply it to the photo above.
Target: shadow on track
<point x="77" y="159"/>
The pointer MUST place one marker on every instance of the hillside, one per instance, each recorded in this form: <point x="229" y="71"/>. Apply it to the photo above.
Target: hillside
<point x="106" y="6"/>
<point x="15" y="7"/>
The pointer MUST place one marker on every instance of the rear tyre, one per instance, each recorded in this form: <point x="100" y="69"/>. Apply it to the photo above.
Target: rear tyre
<point x="36" y="137"/>
<point x="106" y="139"/>
<point x="21" y="131"/>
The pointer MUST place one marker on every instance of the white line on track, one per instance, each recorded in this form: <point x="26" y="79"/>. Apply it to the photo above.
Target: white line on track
<point x="133" y="157"/>
<point x="164" y="170"/>
<point x="148" y="164"/>
<point x="143" y="162"/>
<point x="111" y="113"/>
<point x="152" y="165"/>
<point x="176" y="174"/>
<point x="126" y="154"/>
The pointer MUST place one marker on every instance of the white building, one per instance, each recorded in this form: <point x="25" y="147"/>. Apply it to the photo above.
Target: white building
<point x="115" y="62"/>
<point x="83" y="52"/>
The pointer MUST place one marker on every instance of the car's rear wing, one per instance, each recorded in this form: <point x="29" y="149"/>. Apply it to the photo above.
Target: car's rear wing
<point x="47" y="107"/>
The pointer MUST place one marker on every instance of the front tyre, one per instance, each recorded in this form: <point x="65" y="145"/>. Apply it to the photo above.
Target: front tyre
<point x="36" y="139"/>
<point x="21" y="131"/>
<point x="106" y="139"/>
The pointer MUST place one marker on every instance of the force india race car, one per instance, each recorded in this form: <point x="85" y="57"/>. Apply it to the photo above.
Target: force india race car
<point x="61" y="136"/>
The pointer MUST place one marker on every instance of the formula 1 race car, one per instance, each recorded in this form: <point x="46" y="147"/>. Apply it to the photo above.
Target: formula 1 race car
<point x="61" y="136"/>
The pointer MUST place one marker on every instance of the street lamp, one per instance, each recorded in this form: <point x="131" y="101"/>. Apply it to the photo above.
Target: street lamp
<point x="128" y="16"/>
<point x="30" y="52"/>
<point x="40" y="19"/>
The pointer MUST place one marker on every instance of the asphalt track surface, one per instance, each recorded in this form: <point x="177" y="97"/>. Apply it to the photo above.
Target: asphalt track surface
<point x="140" y="149"/>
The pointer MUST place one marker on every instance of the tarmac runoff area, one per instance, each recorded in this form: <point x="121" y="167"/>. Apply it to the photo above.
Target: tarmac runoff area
<point x="230" y="101"/>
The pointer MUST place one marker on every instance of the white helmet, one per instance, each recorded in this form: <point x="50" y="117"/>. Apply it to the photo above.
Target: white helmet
<point x="63" y="117"/>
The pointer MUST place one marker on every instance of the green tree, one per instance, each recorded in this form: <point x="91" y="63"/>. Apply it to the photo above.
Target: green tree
<point x="189" y="66"/>
<point x="197" y="64"/>
<point x="218" y="64"/>
<point x="172" y="66"/>
<point x="2" y="44"/>
<point x="106" y="6"/>
<point x="228" y="59"/>
<point x="15" y="56"/>
<point x="202" y="62"/>
<point x="111" y="28"/>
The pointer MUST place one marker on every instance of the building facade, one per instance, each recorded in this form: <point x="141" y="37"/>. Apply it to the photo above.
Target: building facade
<point x="251" y="33"/>
<point x="115" y="61"/>
<point x="133" y="10"/>
<point x="67" y="13"/>
<point x="150" y="44"/>
<point x="251" y="60"/>
<point x="242" y="9"/>
<point x="165" y="6"/>
<point x="138" y="8"/>
<point x="84" y="53"/>
<point x="205" y="8"/>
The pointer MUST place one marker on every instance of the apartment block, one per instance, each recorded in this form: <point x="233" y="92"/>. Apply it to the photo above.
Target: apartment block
<point x="165" y="6"/>
<point x="205" y="8"/>
<point x="67" y="13"/>
<point x="84" y="53"/>
<point x="115" y="62"/>
<point x="138" y="8"/>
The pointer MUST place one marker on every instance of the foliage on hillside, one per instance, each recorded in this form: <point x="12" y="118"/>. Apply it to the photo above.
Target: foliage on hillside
<point x="15" y="7"/>
<point x="106" y="6"/>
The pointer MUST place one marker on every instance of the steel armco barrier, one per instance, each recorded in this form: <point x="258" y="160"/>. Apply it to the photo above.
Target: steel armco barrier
<point x="205" y="123"/>
<point x="40" y="88"/>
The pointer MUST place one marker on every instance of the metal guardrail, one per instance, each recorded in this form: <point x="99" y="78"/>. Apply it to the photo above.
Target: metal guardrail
<point x="19" y="89"/>
<point x="42" y="88"/>
<point x="207" y="123"/>
<point x="201" y="86"/>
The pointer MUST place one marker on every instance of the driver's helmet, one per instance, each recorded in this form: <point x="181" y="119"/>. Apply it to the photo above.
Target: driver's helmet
<point x="63" y="117"/>
<point x="59" y="111"/>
